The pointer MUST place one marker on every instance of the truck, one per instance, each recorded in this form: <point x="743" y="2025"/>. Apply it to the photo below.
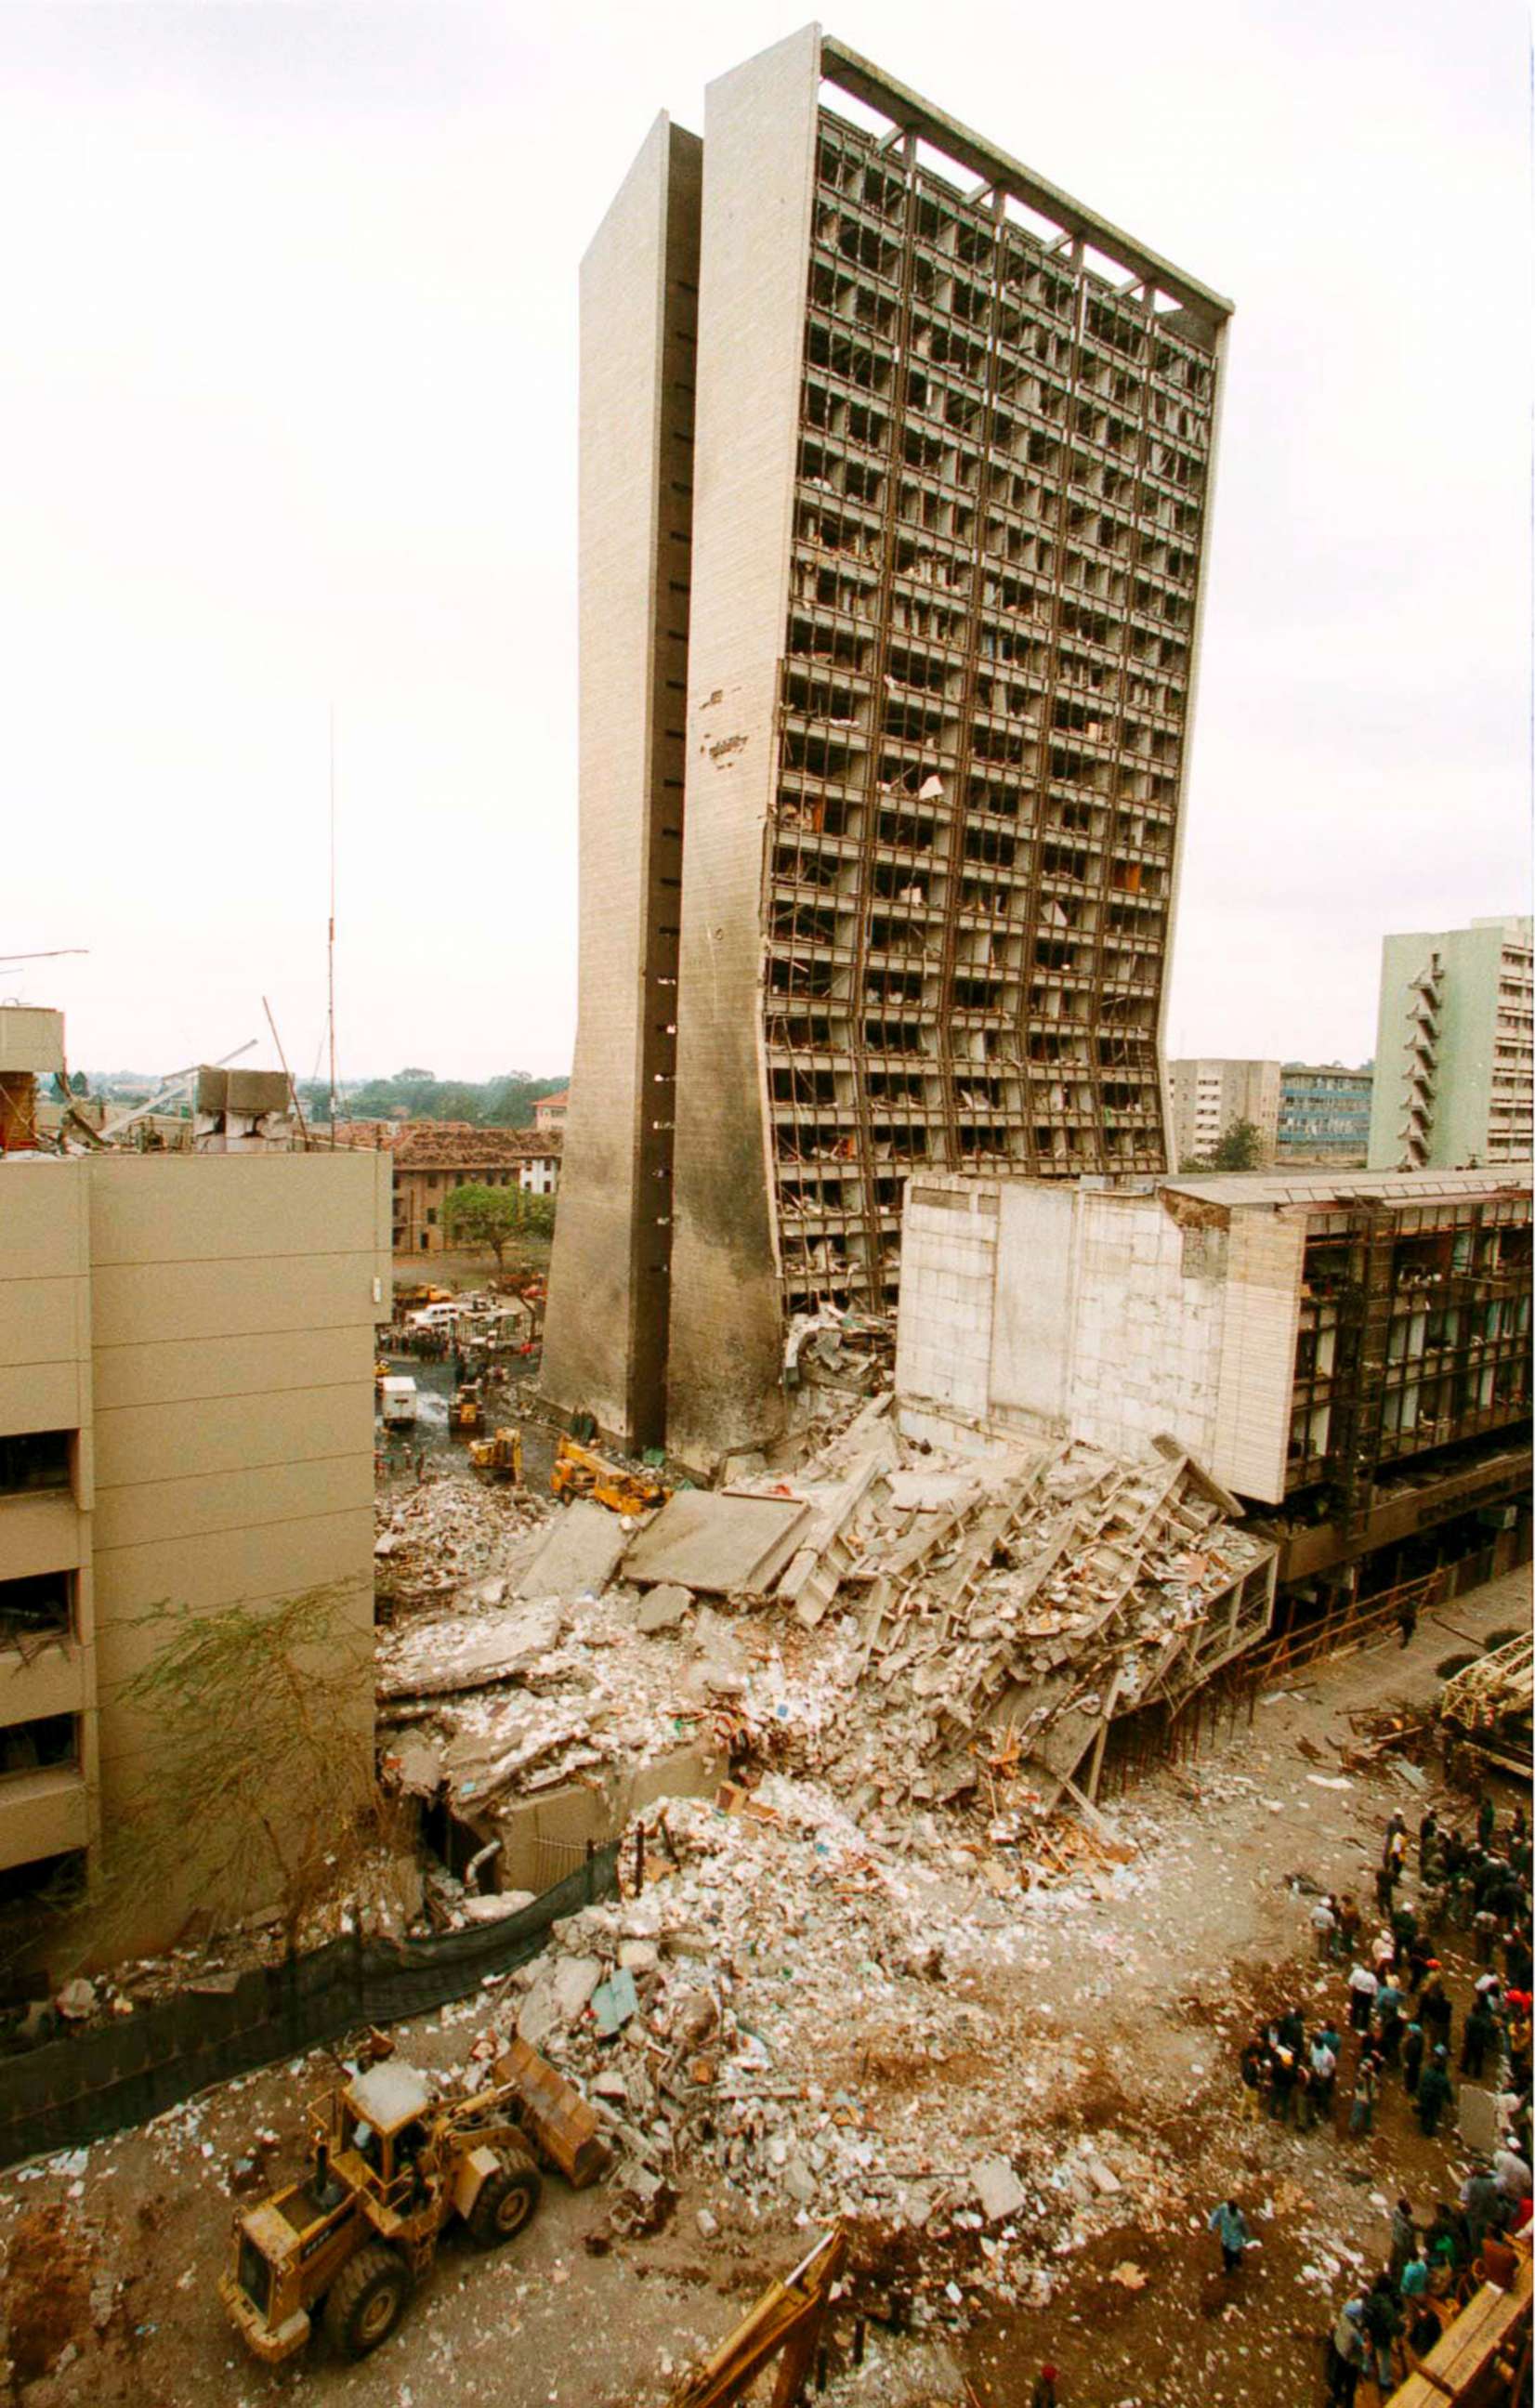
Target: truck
<point x="397" y="1401"/>
<point x="390" y="2167"/>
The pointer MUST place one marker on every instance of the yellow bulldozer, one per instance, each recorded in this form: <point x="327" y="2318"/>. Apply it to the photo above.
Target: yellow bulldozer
<point x="500" y="1457"/>
<point x="391" y="2167"/>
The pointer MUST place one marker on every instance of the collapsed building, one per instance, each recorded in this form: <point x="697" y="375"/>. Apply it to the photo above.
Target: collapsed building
<point x="896" y="471"/>
<point x="914" y="1631"/>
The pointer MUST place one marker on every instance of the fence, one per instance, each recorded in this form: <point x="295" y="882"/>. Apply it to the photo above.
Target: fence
<point x="122" y="2072"/>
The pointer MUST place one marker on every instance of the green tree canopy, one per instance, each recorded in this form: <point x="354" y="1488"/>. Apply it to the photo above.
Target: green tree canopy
<point x="1239" y="1149"/>
<point x="477" y="1215"/>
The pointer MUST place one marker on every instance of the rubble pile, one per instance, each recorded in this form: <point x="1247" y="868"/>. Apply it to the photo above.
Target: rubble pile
<point x="797" y="2008"/>
<point x="439" y="1540"/>
<point x="1035" y="1605"/>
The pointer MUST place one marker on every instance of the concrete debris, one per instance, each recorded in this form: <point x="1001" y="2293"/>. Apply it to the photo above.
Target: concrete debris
<point x="997" y="2190"/>
<point x="720" y="1542"/>
<point x="450" y="1537"/>
<point x="579" y="1555"/>
<point x="918" y="1633"/>
<point x="664" y="1608"/>
<point x="790" y="1967"/>
<point x="430" y="1660"/>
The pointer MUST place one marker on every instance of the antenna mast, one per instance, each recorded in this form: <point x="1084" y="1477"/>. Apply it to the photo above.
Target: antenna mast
<point x="330" y="942"/>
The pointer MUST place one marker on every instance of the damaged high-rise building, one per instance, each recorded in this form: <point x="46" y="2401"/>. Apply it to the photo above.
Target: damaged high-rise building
<point x="895" y="473"/>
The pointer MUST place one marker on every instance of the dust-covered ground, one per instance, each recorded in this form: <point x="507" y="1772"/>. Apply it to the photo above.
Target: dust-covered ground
<point x="1150" y="1975"/>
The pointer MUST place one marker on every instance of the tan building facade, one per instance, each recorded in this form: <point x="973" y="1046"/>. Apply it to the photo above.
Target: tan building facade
<point x="186" y="1418"/>
<point x="1210" y="1096"/>
<point x="428" y="1159"/>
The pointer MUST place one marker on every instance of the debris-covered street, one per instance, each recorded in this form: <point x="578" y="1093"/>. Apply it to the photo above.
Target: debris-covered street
<point x="1025" y="2110"/>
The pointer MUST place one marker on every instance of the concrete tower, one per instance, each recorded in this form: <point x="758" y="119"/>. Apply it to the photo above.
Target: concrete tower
<point x="953" y="450"/>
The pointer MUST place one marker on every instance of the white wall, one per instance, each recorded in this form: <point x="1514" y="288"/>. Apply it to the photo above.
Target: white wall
<point x="943" y="1344"/>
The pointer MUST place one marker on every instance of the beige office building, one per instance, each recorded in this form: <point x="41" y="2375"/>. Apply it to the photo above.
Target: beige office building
<point x="1211" y="1098"/>
<point x="186" y="1417"/>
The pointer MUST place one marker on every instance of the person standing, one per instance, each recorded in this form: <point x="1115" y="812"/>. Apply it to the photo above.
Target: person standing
<point x="1323" y="2071"/>
<point x="1383" y="2322"/>
<point x="1229" y="2226"/>
<point x="1404" y="2238"/>
<point x="1427" y="1832"/>
<point x="1362" y="1986"/>
<point x="1435" y="2009"/>
<point x="1366" y="2083"/>
<point x="1325" y="1926"/>
<point x="1481" y="2033"/>
<point x="1254" y="2075"/>
<point x="1486" y="1818"/>
<point x="1407" y="1617"/>
<point x="1388" y="2006"/>
<point x="1483" y="2202"/>
<point x="1346" y="2355"/>
<point x="1435" y="2092"/>
<point x="1349" y="1920"/>
<point x="1044" y="2394"/>
<point x="1412" y="2057"/>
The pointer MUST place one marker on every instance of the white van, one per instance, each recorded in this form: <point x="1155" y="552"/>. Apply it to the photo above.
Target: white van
<point x="398" y="1402"/>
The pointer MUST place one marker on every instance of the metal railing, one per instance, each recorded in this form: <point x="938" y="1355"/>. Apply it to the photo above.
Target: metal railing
<point x="1352" y="1625"/>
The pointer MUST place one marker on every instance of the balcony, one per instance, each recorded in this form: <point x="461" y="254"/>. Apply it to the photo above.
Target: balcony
<point x="42" y="1813"/>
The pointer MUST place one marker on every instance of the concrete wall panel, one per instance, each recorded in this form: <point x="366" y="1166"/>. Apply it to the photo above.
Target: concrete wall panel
<point x="725" y="1360"/>
<point x="1032" y="1330"/>
<point x="606" y="1331"/>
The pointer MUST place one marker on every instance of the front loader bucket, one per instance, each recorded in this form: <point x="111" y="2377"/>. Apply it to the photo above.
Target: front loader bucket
<point x="563" y="2125"/>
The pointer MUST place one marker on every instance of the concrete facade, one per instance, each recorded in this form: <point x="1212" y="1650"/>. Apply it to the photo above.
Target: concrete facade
<point x="948" y="518"/>
<point x="605" y="1340"/>
<point x="186" y="1417"/>
<point x="1292" y="1332"/>
<point x="1210" y="1096"/>
<point x="1454" y="1048"/>
<point x="1323" y="1113"/>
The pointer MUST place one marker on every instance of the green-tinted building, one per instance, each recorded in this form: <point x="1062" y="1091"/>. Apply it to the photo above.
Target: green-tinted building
<point x="1455" y="1049"/>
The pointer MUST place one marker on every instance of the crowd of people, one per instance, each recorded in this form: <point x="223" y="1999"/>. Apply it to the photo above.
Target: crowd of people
<point x="1394" y="2033"/>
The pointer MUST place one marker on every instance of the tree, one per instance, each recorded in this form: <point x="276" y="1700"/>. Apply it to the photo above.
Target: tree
<point x="253" y="1780"/>
<point x="1239" y="1149"/>
<point x="477" y="1215"/>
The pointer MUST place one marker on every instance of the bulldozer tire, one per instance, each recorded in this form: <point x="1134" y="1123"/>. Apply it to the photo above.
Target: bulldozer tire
<point x="366" y="2302"/>
<point x="506" y="2201"/>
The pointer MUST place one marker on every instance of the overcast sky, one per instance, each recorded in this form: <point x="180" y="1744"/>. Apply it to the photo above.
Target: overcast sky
<point x="288" y="413"/>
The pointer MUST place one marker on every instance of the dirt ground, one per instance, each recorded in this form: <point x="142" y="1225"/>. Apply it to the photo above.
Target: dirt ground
<point x="111" y="2254"/>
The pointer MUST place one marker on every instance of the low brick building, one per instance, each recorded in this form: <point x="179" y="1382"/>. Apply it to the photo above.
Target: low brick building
<point x="433" y="1157"/>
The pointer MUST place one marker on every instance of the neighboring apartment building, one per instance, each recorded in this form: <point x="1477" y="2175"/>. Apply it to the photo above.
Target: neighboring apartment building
<point x="430" y="1158"/>
<point x="1455" y="1050"/>
<point x="1211" y="1098"/>
<point x="895" y="464"/>
<point x="549" y="1112"/>
<point x="1354" y="1350"/>
<point x="1323" y="1115"/>
<point x="186" y="1418"/>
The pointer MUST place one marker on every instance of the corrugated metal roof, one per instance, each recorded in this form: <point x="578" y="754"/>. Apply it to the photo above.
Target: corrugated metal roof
<point x="1323" y="1188"/>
